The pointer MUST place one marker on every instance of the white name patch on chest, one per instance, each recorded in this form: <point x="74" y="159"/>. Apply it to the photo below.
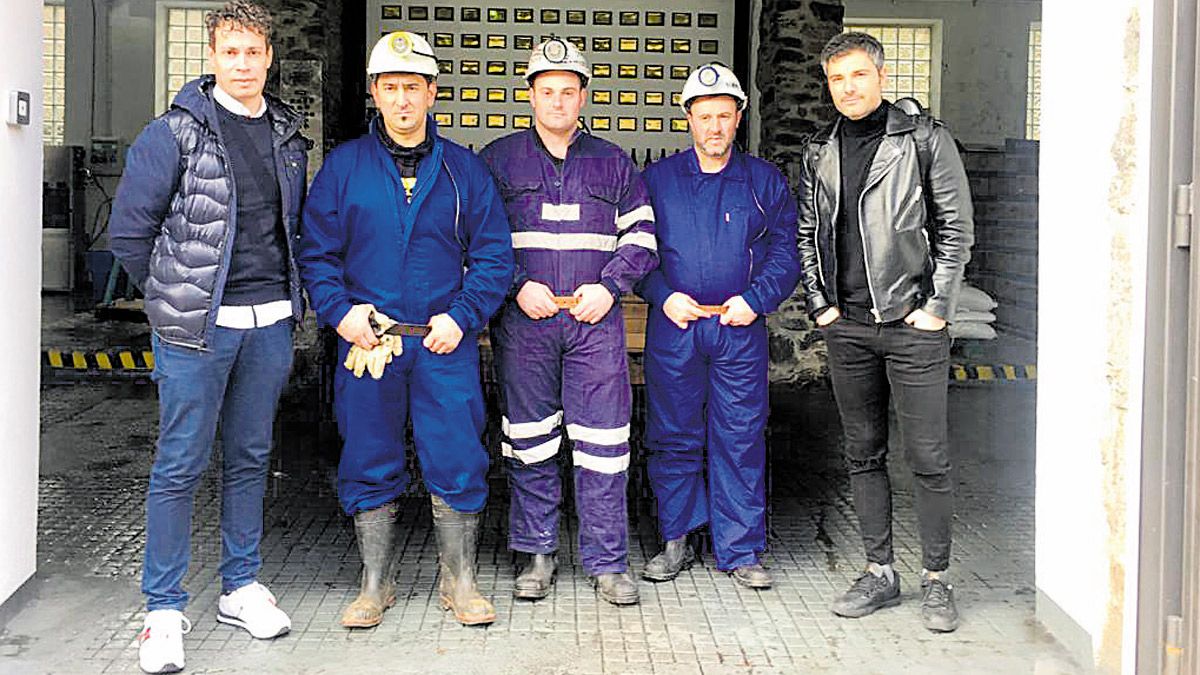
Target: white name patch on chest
<point x="560" y="212"/>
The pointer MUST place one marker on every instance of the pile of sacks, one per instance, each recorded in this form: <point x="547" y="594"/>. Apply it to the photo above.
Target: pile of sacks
<point x="974" y="318"/>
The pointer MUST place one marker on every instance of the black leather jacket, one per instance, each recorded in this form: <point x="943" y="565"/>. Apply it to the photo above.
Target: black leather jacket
<point x="917" y="235"/>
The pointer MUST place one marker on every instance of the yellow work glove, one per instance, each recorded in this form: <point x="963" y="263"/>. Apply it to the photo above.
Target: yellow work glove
<point x="374" y="360"/>
<point x="397" y="345"/>
<point x="356" y="360"/>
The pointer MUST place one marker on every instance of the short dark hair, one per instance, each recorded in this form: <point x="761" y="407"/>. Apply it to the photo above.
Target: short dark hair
<point x="239" y="14"/>
<point x="844" y="43"/>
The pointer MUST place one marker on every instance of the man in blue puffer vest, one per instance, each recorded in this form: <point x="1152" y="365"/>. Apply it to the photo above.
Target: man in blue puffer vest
<point x="403" y="226"/>
<point x="727" y="240"/>
<point x="203" y="221"/>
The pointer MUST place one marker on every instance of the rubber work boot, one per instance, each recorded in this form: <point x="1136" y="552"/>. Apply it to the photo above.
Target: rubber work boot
<point x="375" y="531"/>
<point x="752" y="576"/>
<point x="616" y="587"/>
<point x="675" y="557"/>
<point x="457" y="535"/>
<point x="536" y="577"/>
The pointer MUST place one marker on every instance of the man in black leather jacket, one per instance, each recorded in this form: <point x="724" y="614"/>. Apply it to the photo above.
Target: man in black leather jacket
<point x="885" y="232"/>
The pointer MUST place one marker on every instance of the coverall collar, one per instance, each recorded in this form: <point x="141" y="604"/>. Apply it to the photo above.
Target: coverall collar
<point x="734" y="169"/>
<point x="573" y="147"/>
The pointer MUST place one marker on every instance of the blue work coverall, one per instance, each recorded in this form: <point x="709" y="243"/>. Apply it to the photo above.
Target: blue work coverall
<point x="719" y="235"/>
<point x="448" y="250"/>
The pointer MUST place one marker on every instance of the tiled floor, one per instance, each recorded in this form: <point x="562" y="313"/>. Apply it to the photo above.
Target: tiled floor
<point x="81" y="612"/>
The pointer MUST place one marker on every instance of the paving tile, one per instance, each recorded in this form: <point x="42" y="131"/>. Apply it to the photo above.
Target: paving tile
<point x="91" y="525"/>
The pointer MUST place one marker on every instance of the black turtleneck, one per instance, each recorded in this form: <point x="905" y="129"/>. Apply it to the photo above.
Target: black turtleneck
<point x="858" y="139"/>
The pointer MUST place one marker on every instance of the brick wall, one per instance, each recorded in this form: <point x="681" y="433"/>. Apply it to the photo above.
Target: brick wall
<point x="1004" y="187"/>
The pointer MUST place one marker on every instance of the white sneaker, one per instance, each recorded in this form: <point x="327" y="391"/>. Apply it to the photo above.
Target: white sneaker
<point x="160" y="644"/>
<point x="253" y="607"/>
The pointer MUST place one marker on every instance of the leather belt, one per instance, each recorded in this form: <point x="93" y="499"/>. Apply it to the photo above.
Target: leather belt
<point x="410" y="329"/>
<point x="570" y="301"/>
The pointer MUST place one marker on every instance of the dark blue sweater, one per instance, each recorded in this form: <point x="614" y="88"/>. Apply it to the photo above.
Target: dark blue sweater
<point x="258" y="270"/>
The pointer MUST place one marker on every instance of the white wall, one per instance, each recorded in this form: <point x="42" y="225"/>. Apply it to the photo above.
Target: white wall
<point x="20" y="304"/>
<point x="984" y="54"/>
<point x="1091" y="316"/>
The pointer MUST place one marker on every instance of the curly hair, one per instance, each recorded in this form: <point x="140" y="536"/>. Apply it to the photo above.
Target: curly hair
<point x="239" y="14"/>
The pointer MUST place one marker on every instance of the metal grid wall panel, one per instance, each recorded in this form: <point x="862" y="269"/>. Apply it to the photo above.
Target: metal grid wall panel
<point x="640" y="59"/>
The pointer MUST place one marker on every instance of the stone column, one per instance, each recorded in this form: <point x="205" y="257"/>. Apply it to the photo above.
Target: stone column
<point x="793" y="104"/>
<point x="311" y="30"/>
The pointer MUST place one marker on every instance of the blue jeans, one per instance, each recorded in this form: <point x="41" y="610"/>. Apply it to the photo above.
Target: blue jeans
<point x="238" y="382"/>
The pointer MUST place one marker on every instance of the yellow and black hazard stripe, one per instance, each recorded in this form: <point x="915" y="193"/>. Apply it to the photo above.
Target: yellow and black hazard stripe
<point x="122" y="363"/>
<point x="969" y="372"/>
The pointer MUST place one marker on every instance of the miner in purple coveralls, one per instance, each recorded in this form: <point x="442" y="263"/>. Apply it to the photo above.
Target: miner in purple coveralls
<point x="583" y="234"/>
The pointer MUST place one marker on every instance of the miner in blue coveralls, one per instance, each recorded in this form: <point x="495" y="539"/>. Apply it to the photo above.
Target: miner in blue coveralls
<point x="726" y="225"/>
<point x="405" y="250"/>
<point x="583" y="234"/>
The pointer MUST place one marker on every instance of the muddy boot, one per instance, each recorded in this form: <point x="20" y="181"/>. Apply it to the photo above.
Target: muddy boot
<point x="536" y="577"/>
<point x="375" y="531"/>
<point x="675" y="557"/>
<point x="752" y="576"/>
<point x="617" y="588"/>
<point x="457" y="538"/>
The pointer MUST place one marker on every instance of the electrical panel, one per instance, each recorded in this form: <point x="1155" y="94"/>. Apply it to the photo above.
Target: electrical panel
<point x="640" y="59"/>
<point x="106" y="156"/>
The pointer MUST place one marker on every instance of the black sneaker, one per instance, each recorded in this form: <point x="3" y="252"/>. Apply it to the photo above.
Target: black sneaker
<point x="867" y="594"/>
<point x="938" y="612"/>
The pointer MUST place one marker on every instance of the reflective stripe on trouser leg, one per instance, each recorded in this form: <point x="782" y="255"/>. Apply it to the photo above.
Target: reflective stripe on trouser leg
<point x="676" y="391"/>
<point x="601" y="475"/>
<point x="528" y="359"/>
<point x="535" y="492"/>
<point x="596" y="407"/>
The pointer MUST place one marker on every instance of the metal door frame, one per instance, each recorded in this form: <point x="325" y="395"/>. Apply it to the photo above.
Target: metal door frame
<point x="1168" y="597"/>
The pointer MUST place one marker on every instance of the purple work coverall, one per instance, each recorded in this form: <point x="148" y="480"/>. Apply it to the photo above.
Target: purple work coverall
<point x="584" y="220"/>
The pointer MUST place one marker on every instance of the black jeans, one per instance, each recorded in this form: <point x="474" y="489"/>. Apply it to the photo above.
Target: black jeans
<point x="870" y="365"/>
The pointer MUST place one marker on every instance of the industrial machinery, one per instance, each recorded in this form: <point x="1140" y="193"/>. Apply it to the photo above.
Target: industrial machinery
<point x="64" y="235"/>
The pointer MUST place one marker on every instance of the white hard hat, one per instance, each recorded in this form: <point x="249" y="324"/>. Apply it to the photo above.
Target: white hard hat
<point x="402" y="52"/>
<point x="713" y="79"/>
<point x="557" y="54"/>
